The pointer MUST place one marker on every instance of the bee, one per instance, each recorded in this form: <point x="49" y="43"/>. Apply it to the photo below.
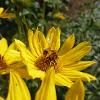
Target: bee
<point x="50" y="54"/>
<point x="45" y="52"/>
<point x="47" y="60"/>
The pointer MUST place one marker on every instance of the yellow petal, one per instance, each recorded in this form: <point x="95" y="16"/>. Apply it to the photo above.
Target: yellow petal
<point x="27" y="58"/>
<point x="1" y="98"/>
<point x="47" y="89"/>
<point x="1" y="10"/>
<point x="12" y="56"/>
<point x="21" y="69"/>
<point x="76" y="53"/>
<point x="23" y="72"/>
<point x="3" y="46"/>
<point x="76" y="92"/>
<point x="17" y="88"/>
<point x="81" y="65"/>
<point x="19" y="45"/>
<point x="74" y="75"/>
<point x="62" y="80"/>
<point x="12" y="46"/>
<point x="53" y="38"/>
<point x="40" y="42"/>
<point x="35" y="73"/>
<point x="31" y="44"/>
<point x="67" y="45"/>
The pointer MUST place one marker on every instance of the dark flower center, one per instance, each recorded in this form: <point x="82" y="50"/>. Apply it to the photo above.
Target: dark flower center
<point x="47" y="60"/>
<point x="3" y="64"/>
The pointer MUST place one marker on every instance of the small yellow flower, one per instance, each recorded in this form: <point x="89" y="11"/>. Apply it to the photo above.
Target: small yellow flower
<point x="45" y="53"/>
<point x="10" y="62"/>
<point x="4" y="14"/>
<point x="76" y="92"/>
<point x="59" y="15"/>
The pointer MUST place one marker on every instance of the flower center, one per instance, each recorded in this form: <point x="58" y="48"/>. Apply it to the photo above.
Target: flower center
<point x="47" y="60"/>
<point x="3" y="64"/>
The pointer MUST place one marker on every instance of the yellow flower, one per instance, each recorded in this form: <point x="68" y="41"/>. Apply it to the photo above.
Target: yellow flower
<point x="10" y="62"/>
<point x="59" y="15"/>
<point x="45" y="53"/>
<point x="4" y="14"/>
<point x="76" y="92"/>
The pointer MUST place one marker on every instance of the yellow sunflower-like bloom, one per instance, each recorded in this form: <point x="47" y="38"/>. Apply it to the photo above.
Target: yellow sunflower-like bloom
<point x="76" y="92"/>
<point x="4" y="14"/>
<point x="45" y="53"/>
<point x="10" y="62"/>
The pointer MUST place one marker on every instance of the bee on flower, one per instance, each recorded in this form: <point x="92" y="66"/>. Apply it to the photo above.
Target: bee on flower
<point x="53" y="63"/>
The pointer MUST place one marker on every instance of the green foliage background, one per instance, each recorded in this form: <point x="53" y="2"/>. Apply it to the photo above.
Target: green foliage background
<point x="82" y="17"/>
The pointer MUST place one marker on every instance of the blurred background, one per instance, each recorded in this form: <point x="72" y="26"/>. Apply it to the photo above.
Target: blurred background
<point x="81" y="17"/>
